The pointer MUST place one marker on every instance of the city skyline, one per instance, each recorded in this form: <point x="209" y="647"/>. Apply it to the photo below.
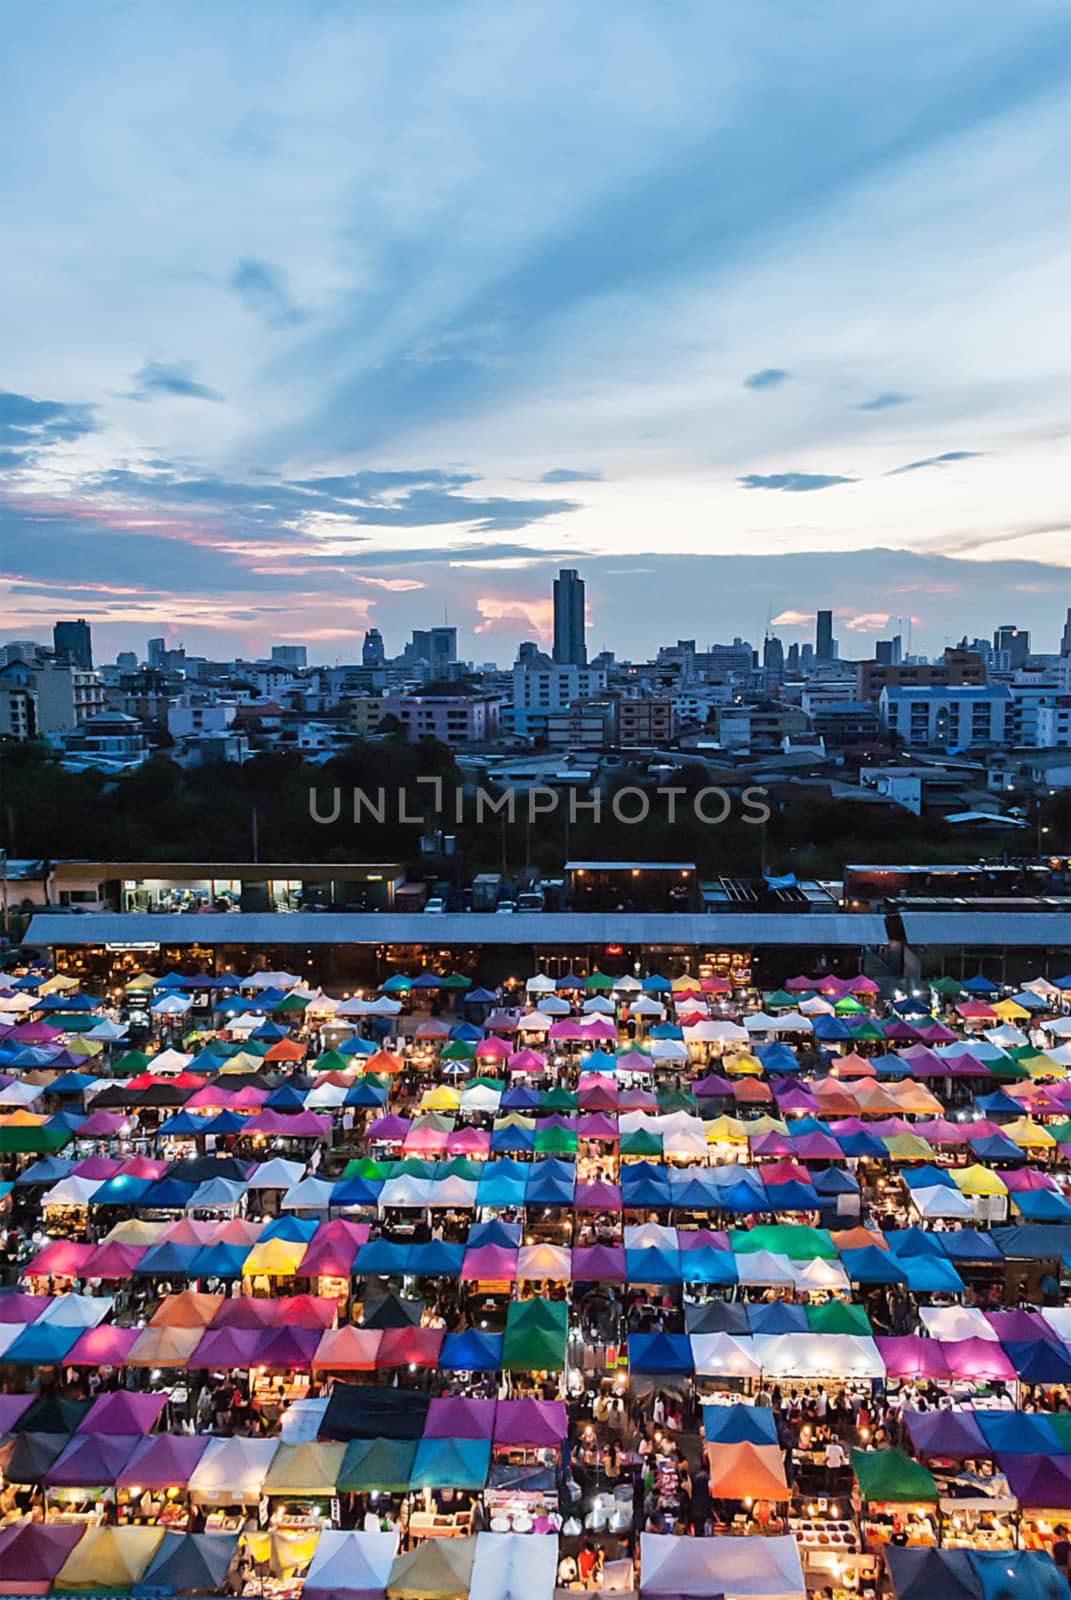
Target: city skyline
<point x="281" y="367"/>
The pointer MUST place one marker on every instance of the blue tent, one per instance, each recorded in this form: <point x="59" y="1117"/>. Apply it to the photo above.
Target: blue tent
<point x="520" y="1098"/>
<point x="652" y="1265"/>
<point x="355" y="1045"/>
<point x="995" y="1104"/>
<point x="382" y="1257"/>
<point x="792" y="1196"/>
<point x="167" y="1194"/>
<point x="268" y="1032"/>
<point x="427" y="980"/>
<point x="71" y="1120"/>
<point x="184" y="1123"/>
<point x="994" y="1147"/>
<point x="497" y="1232"/>
<point x="834" y="1180"/>
<point x="660" y="1352"/>
<point x="928" y="1177"/>
<point x="707" y="1265"/>
<point x="600" y="1061"/>
<point x="467" y="1032"/>
<point x="224" y="1122"/>
<point x="356" y="1192"/>
<point x="436" y="1259"/>
<point x="188" y="1563"/>
<point x="219" y="1261"/>
<point x="1035" y="1361"/>
<point x="122" y="1190"/>
<point x="744" y="1197"/>
<point x="666" y="1030"/>
<point x="979" y="985"/>
<point x="654" y="983"/>
<point x="285" y="1098"/>
<point x="778" y="1057"/>
<point x="739" y="1424"/>
<point x="505" y="1141"/>
<point x="299" y="1230"/>
<point x="695" y="1191"/>
<point x="42" y="1344"/>
<point x="471" y="1351"/>
<point x="1003" y="1572"/>
<point x="72" y="1083"/>
<point x="776" y="1317"/>
<point x="365" y="1095"/>
<point x="646" y="1185"/>
<point x="480" y="997"/>
<point x="967" y="1244"/>
<point x="831" y="1030"/>
<point x="451" y="1464"/>
<point x="1018" y="1433"/>
<point x="551" y="1183"/>
<point x="47" y="1169"/>
<point x="1031" y="1241"/>
<point x="931" y="1275"/>
<point x="871" y="1265"/>
<point x="1041" y="1205"/>
<point x="169" y="1260"/>
<point x="502" y="1183"/>
<point x="905" y="1242"/>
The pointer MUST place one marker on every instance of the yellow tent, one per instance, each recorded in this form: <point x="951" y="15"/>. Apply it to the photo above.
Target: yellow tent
<point x="766" y="1124"/>
<point x="274" y="1258"/>
<point x="59" y="984"/>
<point x="742" y="1063"/>
<point x="1028" y="1135"/>
<point x="514" y="1119"/>
<point x="242" y="1062"/>
<point x="978" y="1180"/>
<point x="135" y="1231"/>
<point x="1043" y="1066"/>
<point x="1011" y="1011"/>
<point x="143" y="981"/>
<point x="109" y="1558"/>
<point x="81" y="1046"/>
<point x="726" y="1128"/>
<point x="908" y="1147"/>
<point x="441" y="1098"/>
<point x="434" y="1569"/>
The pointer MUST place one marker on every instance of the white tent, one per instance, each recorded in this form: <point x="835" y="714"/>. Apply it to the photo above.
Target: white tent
<point x="1061" y="1055"/>
<point x="818" y="1355"/>
<point x="759" y="1022"/>
<point x="77" y="1310"/>
<point x="1059" y="1320"/>
<point x="309" y="1194"/>
<point x="447" y="1193"/>
<point x="646" y="1006"/>
<point x="793" y="1022"/>
<point x="667" y="1050"/>
<point x="301" y="1420"/>
<point x="275" y="1174"/>
<point x="170" y="1061"/>
<point x="216" y="1194"/>
<point x="937" y="1201"/>
<point x="535" y="1022"/>
<point x="106" y="1031"/>
<point x="628" y="985"/>
<point x="763" y="1269"/>
<point x="71" y="1191"/>
<point x="819" y="1274"/>
<point x="513" y="1566"/>
<point x="326" y="1096"/>
<point x="551" y="1261"/>
<point x="715" y="1031"/>
<point x="322" y="1005"/>
<point x="956" y="1322"/>
<point x="480" y="1097"/>
<point x="350" y="1560"/>
<point x="270" y="980"/>
<point x="172" y="1005"/>
<point x="597" y="1006"/>
<point x="686" y="1138"/>
<point x="552" y="1005"/>
<point x="1060" y="1029"/>
<point x="724" y="1355"/>
<point x="650" y="1236"/>
<point x="232" y="1471"/>
<point x="816" y="1006"/>
<point x="539" y="983"/>
<point x="1006" y="1036"/>
<point x="20" y="1094"/>
<point x="405" y="1191"/>
<point x="695" y="1569"/>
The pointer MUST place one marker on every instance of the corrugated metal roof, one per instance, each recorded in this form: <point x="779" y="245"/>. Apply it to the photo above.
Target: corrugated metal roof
<point x="460" y="928"/>
<point x="999" y="928"/>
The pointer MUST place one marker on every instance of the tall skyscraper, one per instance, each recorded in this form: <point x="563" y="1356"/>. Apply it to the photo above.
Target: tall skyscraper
<point x="290" y="655"/>
<point x="773" y="658"/>
<point x="372" y="652"/>
<point x="824" y="645"/>
<point x="73" y="639"/>
<point x="570" y="649"/>
<point x="157" y="651"/>
<point x="1065" y="642"/>
<point x="1013" y="641"/>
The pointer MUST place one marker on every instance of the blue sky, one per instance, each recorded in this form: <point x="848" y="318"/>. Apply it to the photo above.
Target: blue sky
<point x="377" y="313"/>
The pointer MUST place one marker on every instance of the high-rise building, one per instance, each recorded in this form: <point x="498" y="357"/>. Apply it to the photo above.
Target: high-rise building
<point x="372" y="652"/>
<point x="74" y="640"/>
<point x="1065" y="642"/>
<point x="156" y="652"/>
<point x="792" y="659"/>
<point x="773" y="658"/>
<point x="436" y="646"/>
<point x="825" y="648"/>
<point x="1014" y="643"/>
<point x="290" y="655"/>
<point x="127" y="661"/>
<point x="570" y="649"/>
<point x="889" y="652"/>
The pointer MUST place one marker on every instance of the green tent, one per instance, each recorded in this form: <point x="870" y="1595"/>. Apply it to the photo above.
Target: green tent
<point x="377" y="1466"/>
<point x="849" y="1006"/>
<point x="413" y="1167"/>
<point x="642" y="1142"/>
<point x="866" y="1030"/>
<point x="1059" y="1423"/>
<point x="32" y="1141"/>
<point x="292" y="1006"/>
<point x="780" y="1000"/>
<point x="551" y="1316"/>
<point x="130" y="1065"/>
<point x="558" y="1099"/>
<point x="888" y="1476"/>
<point x="836" y="1317"/>
<point x="456" y="980"/>
<point x="462" y="1167"/>
<point x="365" y="1167"/>
<point x="459" y="1050"/>
<point x="598" y="981"/>
<point x="555" y="1141"/>
<point x="536" y="1332"/>
<point x="334" y="1061"/>
<point x="676" y="1100"/>
<point x="484" y="1082"/>
<point x="1007" y="1070"/>
<point x="794" y="1240"/>
<point x="1061" y="1132"/>
<point x="452" y="1464"/>
<point x="947" y="986"/>
<point x="78" y="1021"/>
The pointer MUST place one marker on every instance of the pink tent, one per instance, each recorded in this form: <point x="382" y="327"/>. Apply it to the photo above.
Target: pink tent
<point x="302" y="1125"/>
<point x="600" y="1028"/>
<point x="187" y="1230"/>
<point x="912" y="1357"/>
<point x="800" y="984"/>
<point x="783" y="1172"/>
<point x="226" y="1347"/>
<point x="468" y="1142"/>
<point x="568" y="1032"/>
<point x="103" y="1346"/>
<point x="976" y="1011"/>
<point x="492" y="1050"/>
<point x="455" y="1417"/>
<point x="63" y="1258"/>
<point x="862" y="985"/>
<point x="103" y="1125"/>
<point x="535" y="1424"/>
<point x="977" y="1358"/>
<point x="527" y="1061"/>
<point x="113" y="1261"/>
<point x="143" y="1167"/>
<point x="597" y="1197"/>
<point x="102" y="1167"/>
<point x="599" y="1263"/>
<point x="332" y="1249"/>
<point x="347" y="1349"/>
<point x="410" y="1347"/>
<point x="940" y="1131"/>
<point x="247" y="1312"/>
<point x="425" y="1141"/>
<point x="638" y="1100"/>
<point x="596" y="1080"/>
<point x="597" y="1126"/>
<point x="489" y="1263"/>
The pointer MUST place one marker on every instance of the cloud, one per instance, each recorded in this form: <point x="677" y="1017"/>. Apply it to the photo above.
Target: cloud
<point x="264" y="290"/>
<point x="570" y="475"/>
<point x="884" y="401"/>
<point x="866" y="622"/>
<point x="27" y="423"/>
<point x="936" y="461"/>
<point x="792" y="619"/>
<point x="793" y="482"/>
<point x="767" y="378"/>
<point x="175" y="379"/>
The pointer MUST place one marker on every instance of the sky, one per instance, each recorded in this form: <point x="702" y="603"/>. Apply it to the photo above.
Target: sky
<point x="320" y="316"/>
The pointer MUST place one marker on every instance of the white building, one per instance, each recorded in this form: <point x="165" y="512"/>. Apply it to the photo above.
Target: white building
<point x="946" y="716"/>
<point x="542" y="686"/>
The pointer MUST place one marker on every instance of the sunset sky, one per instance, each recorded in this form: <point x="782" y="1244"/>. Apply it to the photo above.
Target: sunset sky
<point x="321" y="315"/>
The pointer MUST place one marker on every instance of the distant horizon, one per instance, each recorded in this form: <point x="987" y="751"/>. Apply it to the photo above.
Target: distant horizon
<point x="390" y="312"/>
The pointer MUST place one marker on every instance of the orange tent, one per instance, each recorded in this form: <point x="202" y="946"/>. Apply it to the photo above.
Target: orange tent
<point x="285" y="1050"/>
<point x="186" y="1310"/>
<point x="383" y="1061"/>
<point x="853" y="1066"/>
<point x="858" y="1239"/>
<point x="747" y="1471"/>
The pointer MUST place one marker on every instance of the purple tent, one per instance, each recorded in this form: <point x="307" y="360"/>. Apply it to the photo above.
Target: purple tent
<point x="121" y="1412"/>
<point x="489" y="1263"/>
<point x="389" y="1129"/>
<point x="1039" y="1482"/>
<point x="954" y="1435"/>
<point x="303" y="1125"/>
<point x="32" y="1553"/>
<point x="597" y="1125"/>
<point x="286" y="1349"/>
<point x="536" y="1424"/>
<point x="163" y="1460"/>
<point x="912" y="1357"/>
<point x="712" y="1087"/>
<point x="91" y="1461"/>
<point x="1020" y="1327"/>
<point x="599" y="1263"/>
<point x="455" y="1417"/>
<point x="816" y="1147"/>
<point x="701" y="1239"/>
<point x="22" y="1308"/>
<point x="11" y="1408"/>
<point x="227" y="1347"/>
<point x="597" y="1197"/>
